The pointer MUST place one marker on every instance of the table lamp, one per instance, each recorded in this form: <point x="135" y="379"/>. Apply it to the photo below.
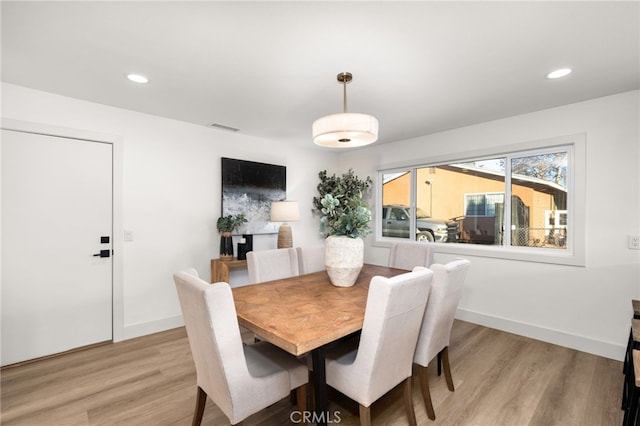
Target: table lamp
<point x="285" y="211"/>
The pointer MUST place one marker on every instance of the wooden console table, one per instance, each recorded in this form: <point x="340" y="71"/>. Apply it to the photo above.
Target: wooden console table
<point x="220" y="268"/>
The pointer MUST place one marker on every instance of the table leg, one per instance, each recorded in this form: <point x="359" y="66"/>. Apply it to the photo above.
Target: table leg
<point x="320" y="386"/>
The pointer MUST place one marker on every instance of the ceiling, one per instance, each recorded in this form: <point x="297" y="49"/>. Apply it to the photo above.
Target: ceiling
<point x="269" y="68"/>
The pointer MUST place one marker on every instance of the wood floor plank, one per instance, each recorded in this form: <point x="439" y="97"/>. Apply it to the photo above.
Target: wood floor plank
<point x="604" y="396"/>
<point x="474" y="373"/>
<point x="500" y="379"/>
<point x="565" y="397"/>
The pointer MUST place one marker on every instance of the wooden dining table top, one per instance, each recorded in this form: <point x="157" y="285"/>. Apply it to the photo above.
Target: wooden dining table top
<point x="305" y="312"/>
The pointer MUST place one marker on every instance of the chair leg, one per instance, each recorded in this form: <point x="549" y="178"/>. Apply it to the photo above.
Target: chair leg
<point x="630" y="412"/>
<point x="365" y="415"/>
<point x="408" y="402"/>
<point x="439" y="359"/>
<point x="627" y="353"/>
<point x="627" y="386"/>
<point x="201" y="400"/>
<point x="426" y="395"/>
<point x="447" y="368"/>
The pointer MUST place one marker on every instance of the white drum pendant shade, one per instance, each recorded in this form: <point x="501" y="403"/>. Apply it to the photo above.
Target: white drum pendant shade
<point x="346" y="130"/>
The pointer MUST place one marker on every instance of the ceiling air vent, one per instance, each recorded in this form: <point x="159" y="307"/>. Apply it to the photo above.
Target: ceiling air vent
<point x="223" y="127"/>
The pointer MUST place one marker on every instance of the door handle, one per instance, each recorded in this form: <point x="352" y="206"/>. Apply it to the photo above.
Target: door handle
<point x="103" y="253"/>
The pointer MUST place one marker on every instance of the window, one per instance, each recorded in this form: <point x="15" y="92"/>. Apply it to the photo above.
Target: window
<point x="462" y="205"/>
<point x="482" y="204"/>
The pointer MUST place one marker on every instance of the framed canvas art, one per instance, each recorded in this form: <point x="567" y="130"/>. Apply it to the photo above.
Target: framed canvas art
<point x="249" y="187"/>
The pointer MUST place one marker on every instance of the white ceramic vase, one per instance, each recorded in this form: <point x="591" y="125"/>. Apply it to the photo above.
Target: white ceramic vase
<point x="343" y="258"/>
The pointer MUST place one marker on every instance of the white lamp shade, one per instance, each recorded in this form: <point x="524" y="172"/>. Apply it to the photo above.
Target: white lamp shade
<point x="345" y="130"/>
<point x="285" y="211"/>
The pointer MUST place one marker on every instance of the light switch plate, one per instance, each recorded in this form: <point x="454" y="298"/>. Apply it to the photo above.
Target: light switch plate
<point x="634" y="242"/>
<point x="128" y="235"/>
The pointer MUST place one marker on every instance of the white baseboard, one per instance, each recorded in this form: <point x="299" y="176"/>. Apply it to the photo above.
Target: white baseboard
<point x="144" y="328"/>
<point x="556" y="337"/>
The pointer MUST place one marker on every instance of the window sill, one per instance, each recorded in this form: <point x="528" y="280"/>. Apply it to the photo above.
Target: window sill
<point x="523" y="254"/>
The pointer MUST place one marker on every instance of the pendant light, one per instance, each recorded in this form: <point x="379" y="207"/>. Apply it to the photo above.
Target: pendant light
<point x="345" y="130"/>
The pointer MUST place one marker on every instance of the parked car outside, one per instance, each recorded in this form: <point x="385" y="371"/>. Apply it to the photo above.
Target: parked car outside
<point x="396" y="221"/>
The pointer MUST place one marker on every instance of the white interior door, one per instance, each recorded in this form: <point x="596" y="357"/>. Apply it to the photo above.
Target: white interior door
<point x="56" y="206"/>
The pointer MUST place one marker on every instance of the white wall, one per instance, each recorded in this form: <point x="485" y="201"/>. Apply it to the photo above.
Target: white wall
<point x="171" y="194"/>
<point x="171" y="200"/>
<point x="587" y="308"/>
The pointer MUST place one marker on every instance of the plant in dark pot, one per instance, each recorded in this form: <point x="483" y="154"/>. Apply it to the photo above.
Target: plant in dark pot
<point x="226" y="225"/>
<point x="346" y="218"/>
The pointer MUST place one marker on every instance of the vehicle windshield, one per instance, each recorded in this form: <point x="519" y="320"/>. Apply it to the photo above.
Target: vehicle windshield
<point x="421" y="214"/>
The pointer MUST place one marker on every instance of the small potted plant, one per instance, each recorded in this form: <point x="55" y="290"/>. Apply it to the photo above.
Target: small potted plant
<point x="346" y="218"/>
<point x="226" y="225"/>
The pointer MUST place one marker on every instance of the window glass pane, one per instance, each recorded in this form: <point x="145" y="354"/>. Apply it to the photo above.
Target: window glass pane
<point x="396" y="198"/>
<point x="539" y="201"/>
<point x="475" y="204"/>
<point x="493" y="200"/>
<point x="433" y="207"/>
<point x="460" y="200"/>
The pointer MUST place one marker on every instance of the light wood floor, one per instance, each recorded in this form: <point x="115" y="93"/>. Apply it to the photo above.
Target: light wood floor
<point x="500" y="379"/>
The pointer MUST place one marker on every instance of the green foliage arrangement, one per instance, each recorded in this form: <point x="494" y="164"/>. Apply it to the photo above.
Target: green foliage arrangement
<point x="230" y="223"/>
<point x="341" y="203"/>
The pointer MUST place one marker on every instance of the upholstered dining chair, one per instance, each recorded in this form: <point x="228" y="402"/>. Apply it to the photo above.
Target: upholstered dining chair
<point x="240" y="379"/>
<point x="435" y="333"/>
<point x="268" y="265"/>
<point x="382" y="359"/>
<point x="310" y="259"/>
<point x="408" y="255"/>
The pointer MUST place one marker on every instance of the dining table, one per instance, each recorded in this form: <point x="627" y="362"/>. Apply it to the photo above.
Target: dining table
<point x="306" y="314"/>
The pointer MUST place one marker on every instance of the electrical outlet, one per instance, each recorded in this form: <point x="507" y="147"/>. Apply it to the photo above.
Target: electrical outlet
<point x="634" y="242"/>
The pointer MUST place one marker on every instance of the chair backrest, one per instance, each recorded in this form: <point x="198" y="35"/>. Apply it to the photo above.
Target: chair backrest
<point x="311" y="259"/>
<point x="393" y="315"/>
<point x="446" y="290"/>
<point x="267" y="265"/>
<point x="408" y="255"/>
<point x="214" y="337"/>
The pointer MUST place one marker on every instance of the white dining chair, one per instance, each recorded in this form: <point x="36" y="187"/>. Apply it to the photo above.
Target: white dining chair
<point x="268" y="265"/>
<point x="382" y="359"/>
<point x="310" y="259"/>
<point x="240" y="379"/>
<point x="435" y="333"/>
<point x="408" y="255"/>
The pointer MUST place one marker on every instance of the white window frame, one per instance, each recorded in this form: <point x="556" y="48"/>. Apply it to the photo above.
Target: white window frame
<point x="573" y="254"/>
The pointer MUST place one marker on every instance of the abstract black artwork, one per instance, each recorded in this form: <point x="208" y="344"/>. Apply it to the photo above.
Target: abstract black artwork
<point x="249" y="187"/>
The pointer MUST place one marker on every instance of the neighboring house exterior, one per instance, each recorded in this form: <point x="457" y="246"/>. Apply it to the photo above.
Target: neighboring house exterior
<point x="475" y="199"/>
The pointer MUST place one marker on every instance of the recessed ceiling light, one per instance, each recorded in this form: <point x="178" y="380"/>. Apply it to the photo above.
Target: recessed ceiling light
<point x="137" y="78"/>
<point x="559" y="73"/>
